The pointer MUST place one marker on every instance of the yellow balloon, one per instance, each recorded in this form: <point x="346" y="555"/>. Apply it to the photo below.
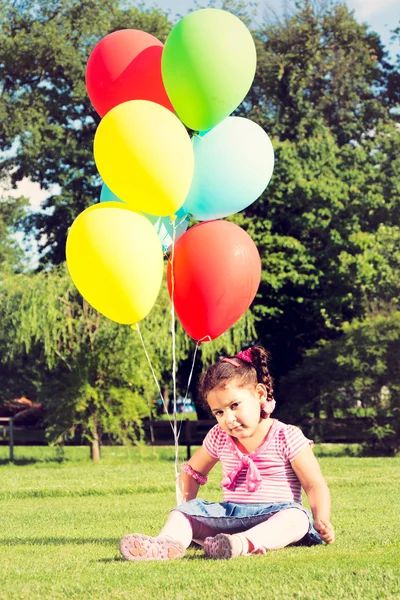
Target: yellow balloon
<point x="144" y="155"/>
<point x="115" y="260"/>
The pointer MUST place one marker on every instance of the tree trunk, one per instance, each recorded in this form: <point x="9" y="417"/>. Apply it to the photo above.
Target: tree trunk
<point x="95" y="453"/>
<point x="317" y="408"/>
<point x="330" y="413"/>
<point x="165" y="395"/>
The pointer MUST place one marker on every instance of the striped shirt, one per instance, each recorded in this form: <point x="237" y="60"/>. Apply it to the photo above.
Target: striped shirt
<point x="272" y="458"/>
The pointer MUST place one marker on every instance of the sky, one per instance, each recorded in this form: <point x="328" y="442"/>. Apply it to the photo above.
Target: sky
<point x="381" y="15"/>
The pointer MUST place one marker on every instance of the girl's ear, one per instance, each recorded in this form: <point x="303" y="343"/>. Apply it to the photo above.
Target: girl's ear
<point x="261" y="391"/>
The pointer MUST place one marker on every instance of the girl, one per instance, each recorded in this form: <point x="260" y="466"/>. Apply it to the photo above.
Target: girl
<point x="265" y="464"/>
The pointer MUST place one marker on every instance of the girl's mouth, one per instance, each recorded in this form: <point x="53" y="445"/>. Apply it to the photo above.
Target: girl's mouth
<point x="235" y="428"/>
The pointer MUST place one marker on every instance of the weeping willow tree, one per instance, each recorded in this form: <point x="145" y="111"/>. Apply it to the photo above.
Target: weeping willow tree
<point x="93" y="374"/>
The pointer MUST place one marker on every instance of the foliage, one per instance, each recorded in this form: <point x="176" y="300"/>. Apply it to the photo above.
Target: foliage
<point x="361" y="366"/>
<point x="318" y="65"/>
<point x="321" y="92"/>
<point x="327" y="227"/>
<point x="47" y="119"/>
<point x="11" y="212"/>
<point x="327" y="230"/>
<point x="91" y="373"/>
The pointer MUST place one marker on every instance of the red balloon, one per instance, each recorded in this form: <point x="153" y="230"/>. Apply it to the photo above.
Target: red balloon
<point x="216" y="274"/>
<point x="125" y="65"/>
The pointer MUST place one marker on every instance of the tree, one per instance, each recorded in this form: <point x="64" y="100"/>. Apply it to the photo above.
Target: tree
<point x="322" y="91"/>
<point x="318" y="65"/>
<point x="12" y="211"/>
<point x="90" y="372"/>
<point x="335" y="181"/>
<point x="362" y="366"/>
<point x="45" y="114"/>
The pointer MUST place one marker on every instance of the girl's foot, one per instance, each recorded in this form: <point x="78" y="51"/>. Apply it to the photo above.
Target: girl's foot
<point x="224" y="546"/>
<point x="136" y="546"/>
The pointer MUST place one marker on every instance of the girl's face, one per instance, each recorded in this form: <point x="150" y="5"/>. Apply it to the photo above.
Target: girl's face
<point x="237" y="409"/>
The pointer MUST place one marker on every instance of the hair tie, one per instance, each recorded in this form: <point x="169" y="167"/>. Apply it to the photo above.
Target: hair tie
<point x="245" y="355"/>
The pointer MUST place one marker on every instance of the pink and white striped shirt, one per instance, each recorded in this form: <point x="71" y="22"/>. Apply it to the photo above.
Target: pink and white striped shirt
<point x="264" y="475"/>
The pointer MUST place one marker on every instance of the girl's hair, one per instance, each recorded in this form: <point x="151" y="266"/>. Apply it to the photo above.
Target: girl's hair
<point x="245" y="374"/>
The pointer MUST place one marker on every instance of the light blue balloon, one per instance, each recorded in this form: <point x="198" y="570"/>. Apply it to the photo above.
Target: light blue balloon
<point x="165" y="227"/>
<point x="106" y="195"/>
<point x="233" y="164"/>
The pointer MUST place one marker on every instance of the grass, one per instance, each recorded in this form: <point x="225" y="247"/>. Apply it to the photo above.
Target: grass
<point x="61" y="522"/>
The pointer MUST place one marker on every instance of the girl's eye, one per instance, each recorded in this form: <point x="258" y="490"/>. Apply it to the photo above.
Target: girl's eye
<point x="235" y="405"/>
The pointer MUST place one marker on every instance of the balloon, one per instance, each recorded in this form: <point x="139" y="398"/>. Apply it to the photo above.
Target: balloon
<point x="233" y="164"/>
<point x="115" y="260"/>
<point x="164" y="227"/>
<point x="216" y="274"/>
<point x="208" y="66"/>
<point x="144" y="155"/>
<point x="125" y="65"/>
<point x="106" y="195"/>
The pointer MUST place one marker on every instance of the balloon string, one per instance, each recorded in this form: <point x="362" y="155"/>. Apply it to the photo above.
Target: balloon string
<point x="188" y="384"/>
<point x="136" y="326"/>
<point x="175" y="428"/>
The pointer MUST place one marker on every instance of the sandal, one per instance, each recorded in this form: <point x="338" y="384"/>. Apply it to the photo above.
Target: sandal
<point x="223" y="546"/>
<point x="136" y="546"/>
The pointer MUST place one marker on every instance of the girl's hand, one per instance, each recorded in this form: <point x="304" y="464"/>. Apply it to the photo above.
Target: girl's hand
<point x="325" y="531"/>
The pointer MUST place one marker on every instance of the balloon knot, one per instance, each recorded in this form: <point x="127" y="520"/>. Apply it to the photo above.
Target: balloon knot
<point x="134" y="326"/>
<point x="206" y="338"/>
<point x="172" y="218"/>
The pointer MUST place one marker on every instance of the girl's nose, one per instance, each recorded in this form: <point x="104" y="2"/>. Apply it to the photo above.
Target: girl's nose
<point x="229" y="417"/>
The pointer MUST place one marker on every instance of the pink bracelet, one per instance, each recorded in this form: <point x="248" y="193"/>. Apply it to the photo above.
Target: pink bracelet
<point x="201" y="479"/>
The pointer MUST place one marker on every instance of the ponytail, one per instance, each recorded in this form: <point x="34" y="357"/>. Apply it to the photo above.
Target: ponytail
<point x="247" y="368"/>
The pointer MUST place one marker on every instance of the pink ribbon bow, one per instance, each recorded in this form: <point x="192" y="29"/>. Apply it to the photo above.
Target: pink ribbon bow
<point x="245" y="355"/>
<point x="253" y="477"/>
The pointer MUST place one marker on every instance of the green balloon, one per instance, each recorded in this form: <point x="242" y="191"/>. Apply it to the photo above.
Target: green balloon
<point x="208" y="66"/>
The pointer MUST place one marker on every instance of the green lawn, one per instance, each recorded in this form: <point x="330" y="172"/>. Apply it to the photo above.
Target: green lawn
<point x="60" y="524"/>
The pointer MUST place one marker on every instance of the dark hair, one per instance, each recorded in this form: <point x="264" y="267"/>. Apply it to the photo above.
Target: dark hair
<point x="245" y="374"/>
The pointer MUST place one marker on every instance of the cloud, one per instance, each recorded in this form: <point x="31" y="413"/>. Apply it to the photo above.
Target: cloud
<point x="365" y="9"/>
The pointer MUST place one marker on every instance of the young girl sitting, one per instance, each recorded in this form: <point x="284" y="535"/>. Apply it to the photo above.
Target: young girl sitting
<point x="265" y="465"/>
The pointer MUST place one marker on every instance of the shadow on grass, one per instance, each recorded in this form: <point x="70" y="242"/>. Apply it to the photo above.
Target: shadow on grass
<point x="188" y="557"/>
<point x="340" y="451"/>
<point x="23" y="462"/>
<point x="18" y="462"/>
<point x="47" y="541"/>
<point x="109" y="560"/>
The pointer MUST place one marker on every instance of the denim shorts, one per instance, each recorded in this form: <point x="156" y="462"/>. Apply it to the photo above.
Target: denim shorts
<point x="228" y="517"/>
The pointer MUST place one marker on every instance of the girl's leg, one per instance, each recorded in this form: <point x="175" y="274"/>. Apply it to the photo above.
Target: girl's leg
<point x="284" y="528"/>
<point x="171" y="542"/>
<point x="183" y="528"/>
<point x="178" y="527"/>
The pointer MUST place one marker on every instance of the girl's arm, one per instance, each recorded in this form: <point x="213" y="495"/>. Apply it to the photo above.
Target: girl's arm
<point x="308" y="471"/>
<point x="202" y="463"/>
